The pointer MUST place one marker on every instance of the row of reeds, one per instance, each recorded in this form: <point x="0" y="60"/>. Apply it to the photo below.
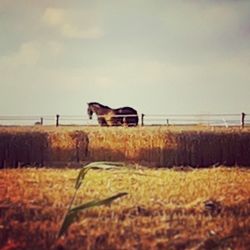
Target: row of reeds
<point x="38" y="148"/>
<point x="166" y="148"/>
<point x="151" y="146"/>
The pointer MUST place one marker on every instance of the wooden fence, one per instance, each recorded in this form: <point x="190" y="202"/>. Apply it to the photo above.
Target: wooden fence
<point x="226" y="120"/>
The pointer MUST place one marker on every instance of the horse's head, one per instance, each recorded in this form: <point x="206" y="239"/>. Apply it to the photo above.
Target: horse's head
<point x="90" y="111"/>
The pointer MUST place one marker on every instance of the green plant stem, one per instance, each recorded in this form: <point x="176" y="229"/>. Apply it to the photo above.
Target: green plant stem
<point x="68" y="210"/>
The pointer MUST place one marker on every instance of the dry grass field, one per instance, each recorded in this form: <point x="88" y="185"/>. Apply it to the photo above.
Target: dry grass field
<point x="165" y="146"/>
<point x="164" y="209"/>
<point x="180" y="207"/>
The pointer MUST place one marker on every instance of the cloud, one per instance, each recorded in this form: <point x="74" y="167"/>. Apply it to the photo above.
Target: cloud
<point x="71" y="31"/>
<point x="54" y="17"/>
<point x="31" y="54"/>
<point x="28" y="54"/>
<point x="73" y="24"/>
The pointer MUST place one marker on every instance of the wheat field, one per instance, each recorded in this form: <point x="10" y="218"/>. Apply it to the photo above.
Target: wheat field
<point x="159" y="146"/>
<point x="173" y="203"/>
<point x="178" y="208"/>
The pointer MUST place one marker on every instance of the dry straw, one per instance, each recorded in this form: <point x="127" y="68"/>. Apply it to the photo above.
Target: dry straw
<point x="154" y="146"/>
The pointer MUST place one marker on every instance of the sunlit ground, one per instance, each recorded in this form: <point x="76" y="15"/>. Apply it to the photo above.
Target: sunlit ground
<point x="165" y="209"/>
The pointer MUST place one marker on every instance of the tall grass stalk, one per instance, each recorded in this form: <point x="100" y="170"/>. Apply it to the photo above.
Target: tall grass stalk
<point x="72" y="212"/>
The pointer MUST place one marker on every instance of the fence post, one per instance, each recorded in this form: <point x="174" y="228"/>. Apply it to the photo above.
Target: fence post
<point x="243" y="115"/>
<point x="41" y="121"/>
<point x="142" y="119"/>
<point x="57" y="120"/>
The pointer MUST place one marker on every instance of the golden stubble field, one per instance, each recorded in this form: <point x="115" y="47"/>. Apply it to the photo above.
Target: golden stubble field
<point x="164" y="209"/>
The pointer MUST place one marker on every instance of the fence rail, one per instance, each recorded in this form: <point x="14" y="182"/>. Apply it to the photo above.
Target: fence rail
<point x="145" y="119"/>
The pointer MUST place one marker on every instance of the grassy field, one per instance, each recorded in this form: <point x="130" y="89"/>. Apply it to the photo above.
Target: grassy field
<point x="164" y="209"/>
<point x="164" y="146"/>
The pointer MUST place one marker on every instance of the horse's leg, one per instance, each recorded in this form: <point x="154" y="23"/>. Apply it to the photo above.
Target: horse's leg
<point x="99" y="121"/>
<point x="109" y="117"/>
<point x="102" y="121"/>
<point x="117" y="121"/>
<point x="113" y="121"/>
<point x="125" y="121"/>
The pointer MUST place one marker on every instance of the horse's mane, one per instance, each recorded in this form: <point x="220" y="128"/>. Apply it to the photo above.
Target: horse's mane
<point x="97" y="103"/>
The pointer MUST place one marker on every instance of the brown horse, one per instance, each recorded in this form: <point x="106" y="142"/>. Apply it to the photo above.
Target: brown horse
<point x="107" y="116"/>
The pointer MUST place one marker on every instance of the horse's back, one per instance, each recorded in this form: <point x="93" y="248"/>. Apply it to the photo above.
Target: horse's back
<point x="128" y="120"/>
<point x="126" y="110"/>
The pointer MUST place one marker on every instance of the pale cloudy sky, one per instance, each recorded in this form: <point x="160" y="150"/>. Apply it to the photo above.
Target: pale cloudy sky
<point x="158" y="56"/>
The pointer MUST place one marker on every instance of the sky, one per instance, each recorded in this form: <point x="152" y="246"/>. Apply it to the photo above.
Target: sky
<point x="157" y="56"/>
